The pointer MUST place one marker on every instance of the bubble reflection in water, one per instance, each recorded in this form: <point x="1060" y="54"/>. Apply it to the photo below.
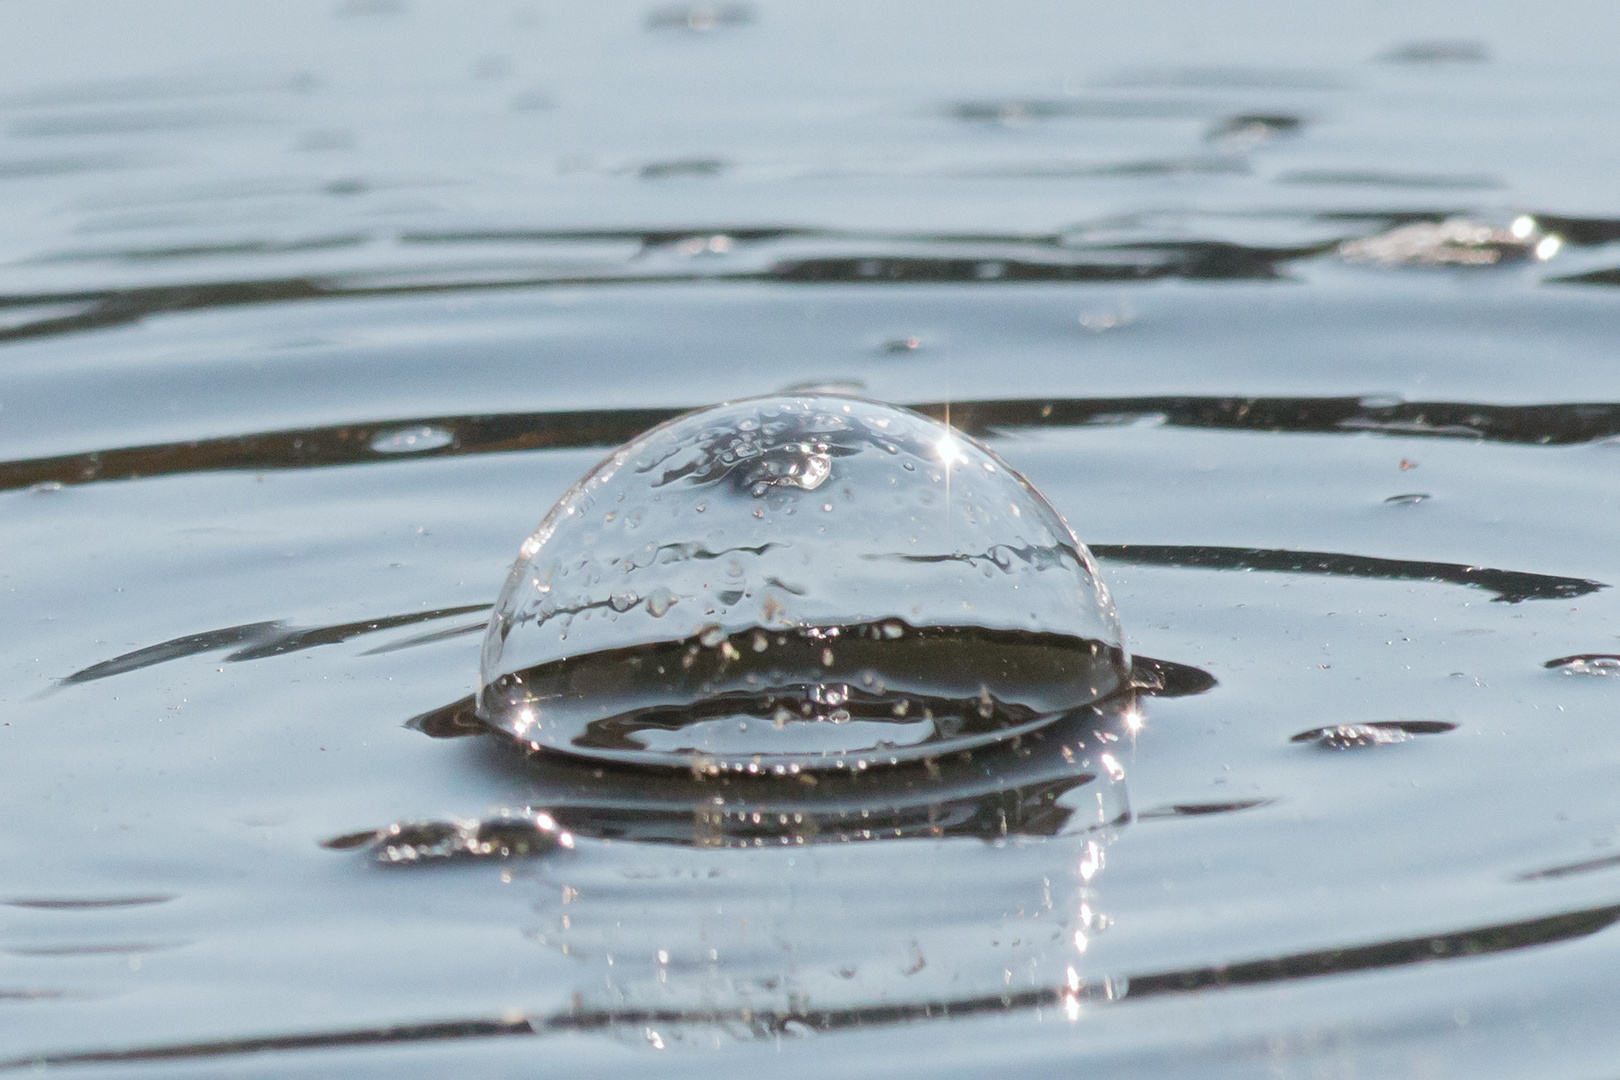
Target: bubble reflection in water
<point x="797" y="583"/>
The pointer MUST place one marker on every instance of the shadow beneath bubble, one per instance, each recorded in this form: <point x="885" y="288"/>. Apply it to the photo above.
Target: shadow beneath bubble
<point x="1034" y="784"/>
<point x="1150" y="677"/>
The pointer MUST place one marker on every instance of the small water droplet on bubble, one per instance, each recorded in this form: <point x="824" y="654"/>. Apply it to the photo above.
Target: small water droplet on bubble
<point x="865" y="637"/>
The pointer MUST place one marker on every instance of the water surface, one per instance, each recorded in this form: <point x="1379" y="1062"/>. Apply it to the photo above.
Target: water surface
<point x="309" y="314"/>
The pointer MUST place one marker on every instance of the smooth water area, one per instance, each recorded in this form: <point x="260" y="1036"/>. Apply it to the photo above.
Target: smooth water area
<point x="1301" y="319"/>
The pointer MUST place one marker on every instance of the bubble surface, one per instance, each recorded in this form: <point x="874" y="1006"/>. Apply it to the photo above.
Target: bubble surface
<point x="795" y="583"/>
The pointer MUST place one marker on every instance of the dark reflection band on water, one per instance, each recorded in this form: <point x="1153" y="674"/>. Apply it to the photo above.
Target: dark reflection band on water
<point x="1510" y="586"/>
<point x="388" y="440"/>
<point x="857" y="257"/>
<point x="1158" y="678"/>
<point x="255" y="641"/>
<point x="1440" y="947"/>
<point x="1185" y="810"/>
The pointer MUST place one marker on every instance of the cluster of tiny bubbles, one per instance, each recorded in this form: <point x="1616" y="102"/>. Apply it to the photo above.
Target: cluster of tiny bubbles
<point x="797" y="584"/>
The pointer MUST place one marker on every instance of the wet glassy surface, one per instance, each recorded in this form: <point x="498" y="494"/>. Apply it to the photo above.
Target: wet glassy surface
<point x="1301" y="320"/>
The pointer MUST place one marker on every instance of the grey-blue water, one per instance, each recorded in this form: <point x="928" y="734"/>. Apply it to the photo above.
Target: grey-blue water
<point x="1303" y="318"/>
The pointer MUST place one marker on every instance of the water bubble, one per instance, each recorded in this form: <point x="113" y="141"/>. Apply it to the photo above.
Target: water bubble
<point x="1242" y="133"/>
<point x="1455" y="241"/>
<point x="1411" y="499"/>
<point x="1377" y="733"/>
<point x="411" y="440"/>
<point x="693" y="246"/>
<point x="1112" y="319"/>
<point x="919" y="619"/>
<point x="700" y="18"/>
<point x="505" y="835"/>
<point x="1586" y="664"/>
<point x="1353" y="736"/>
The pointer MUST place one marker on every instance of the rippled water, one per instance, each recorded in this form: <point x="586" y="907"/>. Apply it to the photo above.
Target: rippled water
<point x="1302" y="319"/>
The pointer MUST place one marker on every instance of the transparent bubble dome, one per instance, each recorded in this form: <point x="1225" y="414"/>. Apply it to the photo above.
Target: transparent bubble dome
<point x="797" y="583"/>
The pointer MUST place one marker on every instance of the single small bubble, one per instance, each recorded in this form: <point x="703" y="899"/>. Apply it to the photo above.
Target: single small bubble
<point x="858" y="646"/>
<point x="412" y="440"/>
<point x="694" y="246"/>
<point x="1101" y="321"/>
<point x="700" y="18"/>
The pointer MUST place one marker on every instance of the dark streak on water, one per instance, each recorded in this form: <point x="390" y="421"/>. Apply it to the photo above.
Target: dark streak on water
<point x="1429" y="948"/>
<point x="1181" y="810"/>
<point x="1510" y="586"/>
<point x="348" y="444"/>
<point x="1163" y="678"/>
<point x="994" y="259"/>
<point x="53" y="903"/>
<point x="255" y="641"/>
